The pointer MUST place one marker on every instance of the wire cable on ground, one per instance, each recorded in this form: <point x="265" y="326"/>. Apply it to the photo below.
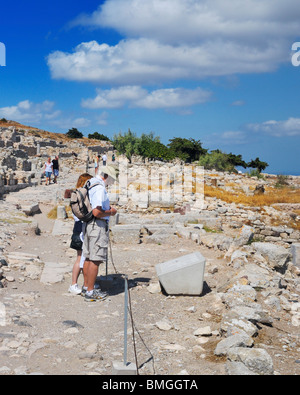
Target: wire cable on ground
<point x="134" y="328"/>
<point x="133" y="335"/>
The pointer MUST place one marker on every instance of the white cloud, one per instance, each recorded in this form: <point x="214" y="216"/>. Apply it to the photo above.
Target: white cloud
<point x="67" y="122"/>
<point x="167" y="40"/>
<point x="115" y="98"/>
<point x="172" y="98"/>
<point x="27" y="111"/>
<point x="289" y="128"/>
<point x="192" y="21"/>
<point x="146" y="61"/>
<point x="136" y="96"/>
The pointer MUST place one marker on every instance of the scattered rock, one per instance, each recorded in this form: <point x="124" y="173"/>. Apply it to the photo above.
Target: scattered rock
<point x="277" y="257"/>
<point x="164" y="325"/>
<point x="205" y="331"/>
<point x="154" y="288"/>
<point x="255" y="359"/>
<point x="239" y="340"/>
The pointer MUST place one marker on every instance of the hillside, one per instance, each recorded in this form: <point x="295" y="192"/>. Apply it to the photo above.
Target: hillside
<point x="36" y="132"/>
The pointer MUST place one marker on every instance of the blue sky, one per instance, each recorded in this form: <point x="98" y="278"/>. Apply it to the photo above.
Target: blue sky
<point x="218" y="71"/>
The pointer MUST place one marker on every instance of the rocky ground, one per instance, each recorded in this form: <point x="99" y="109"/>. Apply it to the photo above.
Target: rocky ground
<point x="245" y="322"/>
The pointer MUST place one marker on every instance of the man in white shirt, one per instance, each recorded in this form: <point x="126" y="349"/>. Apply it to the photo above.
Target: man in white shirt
<point x="104" y="159"/>
<point x="96" y="233"/>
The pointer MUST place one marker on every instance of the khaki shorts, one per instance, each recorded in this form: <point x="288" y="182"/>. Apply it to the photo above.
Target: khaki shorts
<point x="96" y="238"/>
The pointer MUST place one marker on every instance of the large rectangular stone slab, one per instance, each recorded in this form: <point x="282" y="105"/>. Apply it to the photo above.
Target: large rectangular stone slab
<point x="54" y="272"/>
<point x="62" y="228"/>
<point x="183" y="275"/>
<point x="126" y="234"/>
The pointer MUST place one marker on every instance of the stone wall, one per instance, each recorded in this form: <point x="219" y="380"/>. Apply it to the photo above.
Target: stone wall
<point x="22" y="157"/>
<point x="156" y="187"/>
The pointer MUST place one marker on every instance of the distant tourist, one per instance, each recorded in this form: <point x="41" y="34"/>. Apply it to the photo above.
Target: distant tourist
<point x="104" y="159"/>
<point x="97" y="160"/>
<point x="76" y="244"/>
<point x="55" y="169"/>
<point x="48" y="170"/>
<point x="113" y="158"/>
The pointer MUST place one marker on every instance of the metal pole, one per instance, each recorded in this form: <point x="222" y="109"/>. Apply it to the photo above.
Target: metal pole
<point x="125" y="320"/>
<point x="106" y="266"/>
<point x="106" y="263"/>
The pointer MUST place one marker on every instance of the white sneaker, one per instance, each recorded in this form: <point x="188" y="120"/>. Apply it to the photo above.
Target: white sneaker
<point x="74" y="289"/>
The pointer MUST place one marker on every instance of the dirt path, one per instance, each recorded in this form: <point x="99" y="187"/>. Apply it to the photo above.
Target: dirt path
<point x="49" y="331"/>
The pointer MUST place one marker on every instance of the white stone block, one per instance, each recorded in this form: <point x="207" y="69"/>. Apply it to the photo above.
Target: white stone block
<point x="184" y="275"/>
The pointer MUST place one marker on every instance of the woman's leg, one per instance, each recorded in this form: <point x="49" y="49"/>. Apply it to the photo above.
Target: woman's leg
<point x="76" y="268"/>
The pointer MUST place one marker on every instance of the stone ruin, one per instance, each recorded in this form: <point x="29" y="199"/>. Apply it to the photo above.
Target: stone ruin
<point x="146" y="187"/>
<point x="153" y="185"/>
<point x="23" y="155"/>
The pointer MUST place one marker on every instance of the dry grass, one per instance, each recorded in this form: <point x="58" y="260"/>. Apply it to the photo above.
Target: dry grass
<point x="290" y="224"/>
<point x="53" y="213"/>
<point x="285" y="195"/>
<point x="16" y="124"/>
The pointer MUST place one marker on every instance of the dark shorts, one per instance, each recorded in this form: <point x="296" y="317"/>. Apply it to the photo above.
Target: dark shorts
<point x="76" y="243"/>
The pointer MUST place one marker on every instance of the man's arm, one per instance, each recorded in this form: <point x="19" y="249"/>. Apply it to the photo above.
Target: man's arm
<point x="99" y="213"/>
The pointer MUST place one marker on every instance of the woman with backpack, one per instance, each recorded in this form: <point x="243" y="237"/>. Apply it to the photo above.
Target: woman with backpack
<point x="77" y="243"/>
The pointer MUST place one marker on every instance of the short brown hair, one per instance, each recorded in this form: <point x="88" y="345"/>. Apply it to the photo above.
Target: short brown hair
<point x="83" y="179"/>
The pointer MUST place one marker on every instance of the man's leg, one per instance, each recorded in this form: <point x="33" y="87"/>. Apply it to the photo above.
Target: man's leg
<point x="91" y="294"/>
<point x="92" y="273"/>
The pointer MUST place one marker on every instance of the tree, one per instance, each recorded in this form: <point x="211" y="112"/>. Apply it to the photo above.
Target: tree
<point x="258" y="164"/>
<point x="236" y="160"/>
<point x="188" y="150"/>
<point x="152" y="148"/>
<point x="74" y="134"/>
<point x="98" y="136"/>
<point x="217" y="160"/>
<point x="126" y="144"/>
